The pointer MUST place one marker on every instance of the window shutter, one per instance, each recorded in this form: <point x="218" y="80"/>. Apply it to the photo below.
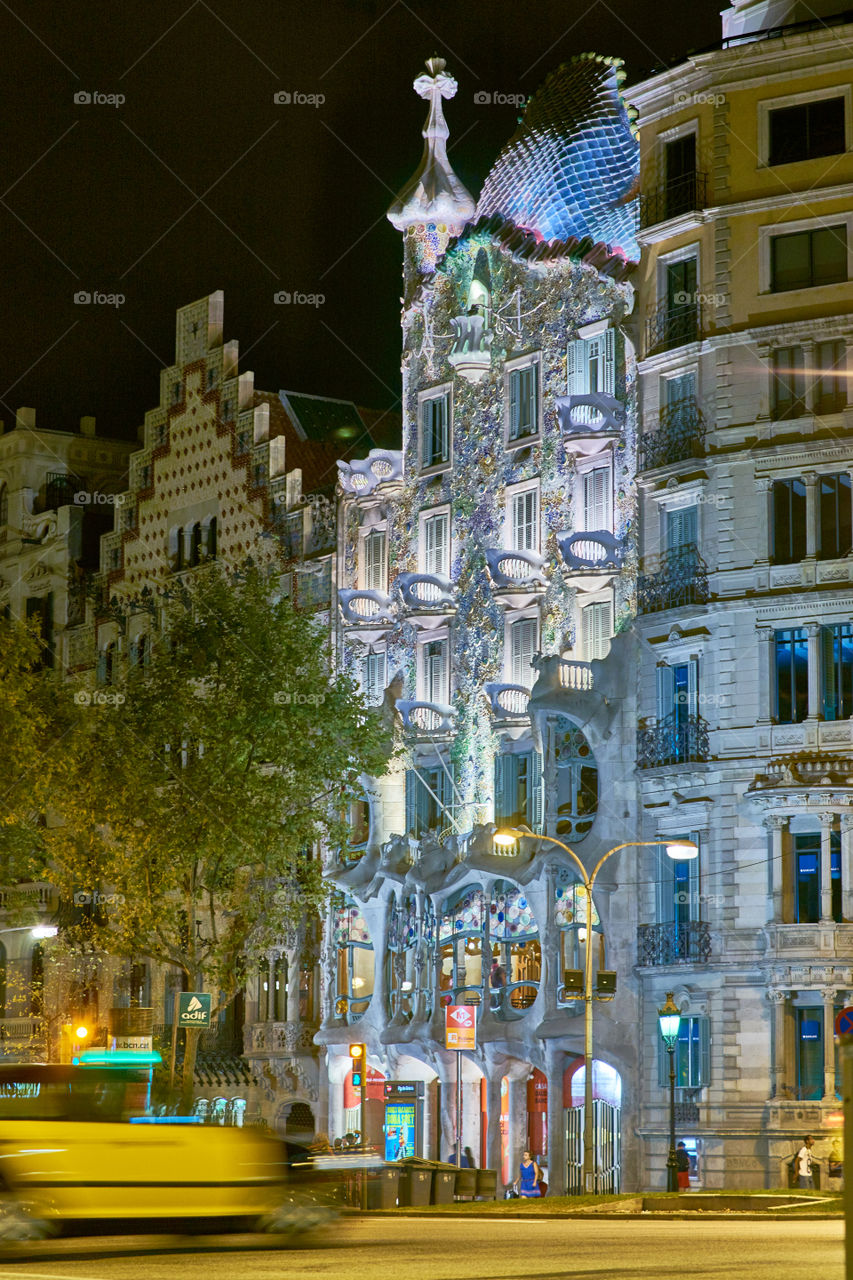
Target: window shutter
<point x="828" y="675"/>
<point x="665" y="691"/>
<point x="533" y="399"/>
<point x="522" y="648"/>
<point x="663" y="1063"/>
<point x="695" y="865"/>
<point x="441" y="429"/>
<point x="693" y="687"/>
<point x="504" y="788"/>
<point x="534" y="792"/>
<point x="411" y="802"/>
<point x="609" y="356"/>
<point x="440" y="693"/>
<point x="514" y="404"/>
<point x="577" y="368"/>
<point x="524" y="521"/>
<point x="705" y="1052"/>
<point x="681" y="528"/>
<point x="596" y="500"/>
<point x="374" y="555"/>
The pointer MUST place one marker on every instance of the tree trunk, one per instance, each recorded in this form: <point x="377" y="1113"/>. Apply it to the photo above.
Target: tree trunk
<point x="188" y="1079"/>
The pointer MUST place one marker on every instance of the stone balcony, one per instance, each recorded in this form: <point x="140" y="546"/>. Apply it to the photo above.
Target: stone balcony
<point x="279" y="1037"/>
<point x="426" y="717"/>
<point x="508" y="701"/>
<point x="518" y="570"/>
<point x="592" y="558"/>
<point x="589" y="423"/>
<point x="381" y="466"/>
<point x="426" y="592"/>
<point x="365" y="608"/>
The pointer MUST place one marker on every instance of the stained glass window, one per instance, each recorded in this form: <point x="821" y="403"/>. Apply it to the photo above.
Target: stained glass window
<point x="570" y="899"/>
<point x="462" y="916"/>
<point x="511" y="917"/>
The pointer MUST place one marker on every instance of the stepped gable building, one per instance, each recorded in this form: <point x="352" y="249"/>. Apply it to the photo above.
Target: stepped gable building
<point x="487" y="580"/>
<point x="745" y="590"/>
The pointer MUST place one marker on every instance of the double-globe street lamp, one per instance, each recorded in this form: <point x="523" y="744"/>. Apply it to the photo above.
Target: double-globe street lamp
<point x="678" y="850"/>
<point x="669" y="1019"/>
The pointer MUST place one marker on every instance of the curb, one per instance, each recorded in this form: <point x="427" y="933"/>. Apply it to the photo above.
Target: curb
<point x="648" y="1215"/>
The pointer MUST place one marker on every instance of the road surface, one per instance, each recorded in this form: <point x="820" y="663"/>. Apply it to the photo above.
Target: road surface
<point x="458" y="1249"/>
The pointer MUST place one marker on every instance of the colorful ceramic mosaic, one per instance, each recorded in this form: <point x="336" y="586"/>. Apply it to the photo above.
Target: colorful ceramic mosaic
<point x="464" y="917"/>
<point x="511" y="918"/>
<point x="570" y="898"/>
<point x="350" y="927"/>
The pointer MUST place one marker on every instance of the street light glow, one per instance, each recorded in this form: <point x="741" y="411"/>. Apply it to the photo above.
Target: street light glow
<point x="504" y="840"/>
<point x="682" y="850"/>
<point x="44" y="931"/>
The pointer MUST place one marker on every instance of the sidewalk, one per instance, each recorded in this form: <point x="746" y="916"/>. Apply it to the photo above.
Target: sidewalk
<point x="710" y="1204"/>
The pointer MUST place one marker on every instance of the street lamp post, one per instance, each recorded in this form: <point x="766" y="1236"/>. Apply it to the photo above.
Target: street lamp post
<point x="669" y="1018"/>
<point x="676" y="849"/>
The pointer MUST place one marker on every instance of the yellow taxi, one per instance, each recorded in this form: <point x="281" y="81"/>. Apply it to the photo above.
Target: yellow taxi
<point x="78" y="1144"/>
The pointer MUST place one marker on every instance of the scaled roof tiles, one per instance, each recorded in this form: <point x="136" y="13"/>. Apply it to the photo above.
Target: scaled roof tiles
<point x="571" y="169"/>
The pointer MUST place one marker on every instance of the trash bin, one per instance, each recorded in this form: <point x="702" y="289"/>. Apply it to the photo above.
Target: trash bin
<point x="383" y="1187"/>
<point x="443" y="1183"/>
<point x="487" y="1184"/>
<point x="415" y="1183"/>
<point x="466" y="1182"/>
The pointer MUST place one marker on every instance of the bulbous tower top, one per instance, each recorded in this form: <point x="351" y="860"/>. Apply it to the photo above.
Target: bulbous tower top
<point x="434" y="197"/>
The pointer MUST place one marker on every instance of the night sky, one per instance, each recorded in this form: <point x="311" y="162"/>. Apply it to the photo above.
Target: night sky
<point x="200" y="181"/>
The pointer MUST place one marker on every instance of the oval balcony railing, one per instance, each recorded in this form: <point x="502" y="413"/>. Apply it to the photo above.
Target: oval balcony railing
<point x="688" y="943"/>
<point x="676" y="739"/>
<point x="516" y="568"/>
<point x="365" y="606"/>
<point x="575" y="675"/>
<point x="425" y="590"/>
<point x="673" y="580"/>
<point x="426" y="717"/>
<point x="380" y="466"/>
<point x="597" y="549"/>
<point x="508" y="699"/>
<point x="680" y="435"/>
<point x="593" y="414"/>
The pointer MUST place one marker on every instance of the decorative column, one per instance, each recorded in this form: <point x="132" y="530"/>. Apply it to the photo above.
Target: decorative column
<point x="828" y="997"/>
<point x="827" y="821"/>
<point x="775" y="824"/>
<point x="550" y="940"/>
<point x="778" y="999"/>
<point x="810" y="479"/>
<point x="810" y="379"/>
<point x="556" y="1134"/>
<point x="847" y="866"/>
<point x="764" y="489"/>
<point x="815" y="699"/>
<point x="765" y="674"/>
<point x="493" y="1118"/>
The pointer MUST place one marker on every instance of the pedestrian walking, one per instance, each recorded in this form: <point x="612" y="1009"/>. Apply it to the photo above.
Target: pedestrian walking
<point x="803" y="1163"/>
<point x="529" y="1173"/>
<point x="682" y="1167"/>
<point x="469" y="1156"/>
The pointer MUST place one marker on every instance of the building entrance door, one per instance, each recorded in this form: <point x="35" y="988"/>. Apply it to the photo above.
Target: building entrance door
<point x="607" y="1139"/>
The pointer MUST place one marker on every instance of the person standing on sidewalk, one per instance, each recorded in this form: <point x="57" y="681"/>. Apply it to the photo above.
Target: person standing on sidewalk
<point x="804" y="1163"/>
<point x="527" y="1182"/>
<point x="682" y="1167"/>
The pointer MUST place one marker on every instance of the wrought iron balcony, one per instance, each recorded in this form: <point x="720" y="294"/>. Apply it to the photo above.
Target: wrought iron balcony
<point x="425" y="590"/>
<point x="680" y="435"/>
<point x="673" y="199"/>
<point x="673" y="324"/>
<point x="596" y="549"/>
<point x="426" y="717"/>
<point x="676" y="739"/>
<point x="508" y="700"/>
<point x="673" y="580"/>
<point x="516" y="568"/>
<point x="365" y="606"/>
<point x="659" y="944"/>
<point x="471" y="351"/>
<point x="380" y="466"/>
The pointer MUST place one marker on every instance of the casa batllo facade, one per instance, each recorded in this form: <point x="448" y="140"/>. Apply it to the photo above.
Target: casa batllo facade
<point x="744" y="595"/>
<point x="487" y="579"/>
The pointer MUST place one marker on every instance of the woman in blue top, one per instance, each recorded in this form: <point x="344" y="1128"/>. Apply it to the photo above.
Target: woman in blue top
<point x="527" y="1181"/>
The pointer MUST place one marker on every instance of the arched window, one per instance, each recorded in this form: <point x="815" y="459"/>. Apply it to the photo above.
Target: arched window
<point x="570" y="918"/>
<point x="211" y="539"/>
<point x="516" y="955"/>
<point x="195" y="544"/>
<point x="179" y="550"/>
<point x="355" y="962"/>
<point x="411" y="947"/>
<point x="577" y="778"/>
<point x="460" y="935"/>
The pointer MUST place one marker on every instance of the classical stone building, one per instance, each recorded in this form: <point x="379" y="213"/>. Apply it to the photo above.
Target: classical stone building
<point x="487" y="575"/>
<point x="745" y="307"/>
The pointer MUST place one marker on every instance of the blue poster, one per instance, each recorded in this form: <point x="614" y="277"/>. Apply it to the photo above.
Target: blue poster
<point x="399" y="1130"/>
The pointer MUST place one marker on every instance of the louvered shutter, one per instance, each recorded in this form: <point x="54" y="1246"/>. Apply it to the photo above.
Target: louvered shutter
<point x="596" y="500"/>
<point x="704" y="1052"/>
<point x="828" y="673"/>
<point x="577" y="368"/>
<point x="681" y="528"/>
<point x="693" y="687"/>
<point x="514" y="404"/>
<point x="440" y="430"/>
<point x="411" y="802"/>
<point x="374" y="555"/>
<point x="608" y="358"/>
<point x="524" y="521"/>
<point x="535" y="797"/>
<point x="665" y="691"/>
<point x="522" y="648"/>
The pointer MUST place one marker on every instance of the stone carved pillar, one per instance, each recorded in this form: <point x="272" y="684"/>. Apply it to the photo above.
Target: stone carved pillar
<point x="778" y="1072"/>
<point x="828" y="997"/>
<point x="764" y="489"/>
<point x="810" y="479"/>
<point x="765" y="674"/>
<point x="775" y="823"/>
<point x="815" y="710"/>
<point x="827" y="821"/>
<point x="847" y="866"/>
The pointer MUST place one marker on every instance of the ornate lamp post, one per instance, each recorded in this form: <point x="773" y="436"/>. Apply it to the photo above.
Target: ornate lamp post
<point x="677" y="850"/>
<point x="669" y="1019"/>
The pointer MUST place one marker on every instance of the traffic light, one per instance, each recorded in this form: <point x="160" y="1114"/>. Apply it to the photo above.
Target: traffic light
<point x="356" y="1052"/>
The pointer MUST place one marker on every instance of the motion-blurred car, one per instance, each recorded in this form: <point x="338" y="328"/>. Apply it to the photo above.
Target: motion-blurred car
<point x="77" y="1144"/>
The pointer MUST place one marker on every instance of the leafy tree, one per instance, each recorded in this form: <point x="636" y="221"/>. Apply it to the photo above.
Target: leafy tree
<point x="201" y="783"/>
